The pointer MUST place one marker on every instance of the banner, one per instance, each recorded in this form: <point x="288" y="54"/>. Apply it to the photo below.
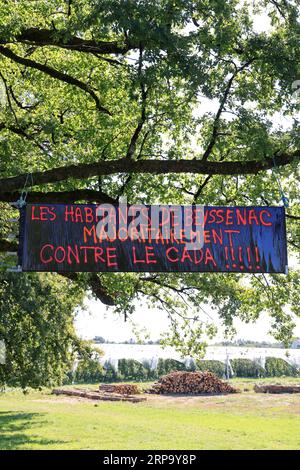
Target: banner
<point x="139" y="238"/>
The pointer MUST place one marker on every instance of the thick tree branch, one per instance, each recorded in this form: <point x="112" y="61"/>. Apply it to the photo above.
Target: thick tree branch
<point x="96" y="286"/>
<point x="88" y="195"/>
<point x="148" y="166"/>
<point x="45" y="37"/>
<point x="54" y="74"/>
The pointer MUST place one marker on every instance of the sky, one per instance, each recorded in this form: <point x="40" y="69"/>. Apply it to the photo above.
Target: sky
<point x="98" y="320"/>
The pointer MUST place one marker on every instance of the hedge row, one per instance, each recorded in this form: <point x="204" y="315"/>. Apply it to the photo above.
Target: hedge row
<point x="274" y="367"/>
<point x="130" y="369"/>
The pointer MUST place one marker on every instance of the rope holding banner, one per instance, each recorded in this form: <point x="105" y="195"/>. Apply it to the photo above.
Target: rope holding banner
<point x="285" y="200"/>
<point x="21" y="202"/>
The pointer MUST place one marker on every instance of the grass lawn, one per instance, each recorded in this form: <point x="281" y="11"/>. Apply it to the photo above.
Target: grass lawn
<point x="247" y="420"/>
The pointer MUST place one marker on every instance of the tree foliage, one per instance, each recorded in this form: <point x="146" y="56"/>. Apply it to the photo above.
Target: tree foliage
<point x="96" y="95"/>
<point x="36" y="325"/>
<point x="88" y="369"/>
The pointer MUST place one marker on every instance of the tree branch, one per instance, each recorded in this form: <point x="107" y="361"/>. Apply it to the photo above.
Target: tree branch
<point x="88" y="195"/>
<point x="278" y="8"/>
<point x="6" y="245"/>
<point x="19" y="104"/>
<point x="54" y="74"/>
<point x="201" y="187"/>
<point x="220" y="110"/>
<point x="45" y="37"/>
<point x="96" y="286"/>
<point x="295" y="245"/>
<point x="134" y="138"/>
<point x="86" y="170"/>
<point x="294" y="217"/>
<point x="22" y="133"/>
<point x="94" y="281"/>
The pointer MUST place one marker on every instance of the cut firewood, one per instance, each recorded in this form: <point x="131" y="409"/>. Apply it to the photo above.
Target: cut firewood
<point x="123" y="389"/>
<point x="191" y="383"/>
<point x="97" y="395"/>
<point x="277" y="389"/>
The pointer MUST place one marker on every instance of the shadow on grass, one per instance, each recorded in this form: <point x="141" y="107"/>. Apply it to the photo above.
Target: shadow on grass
<point x="13" y="428"/>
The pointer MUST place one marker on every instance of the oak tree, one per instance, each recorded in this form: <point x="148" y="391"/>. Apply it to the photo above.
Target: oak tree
<point x="165" y="101"/>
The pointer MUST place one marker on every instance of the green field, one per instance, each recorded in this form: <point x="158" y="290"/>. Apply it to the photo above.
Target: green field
<point x="247" y="420"/>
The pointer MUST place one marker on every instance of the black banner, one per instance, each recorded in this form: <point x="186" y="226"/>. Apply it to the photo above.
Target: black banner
<point x="137" y="238"/>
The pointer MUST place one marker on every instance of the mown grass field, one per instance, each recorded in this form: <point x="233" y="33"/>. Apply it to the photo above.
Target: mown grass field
<point x="247" y="420"/>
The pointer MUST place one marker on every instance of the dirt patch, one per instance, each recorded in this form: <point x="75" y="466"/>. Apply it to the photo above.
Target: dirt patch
<point x="238" y="403"/>
<point x="192" y="400"/>
<point x="64" y="400"/>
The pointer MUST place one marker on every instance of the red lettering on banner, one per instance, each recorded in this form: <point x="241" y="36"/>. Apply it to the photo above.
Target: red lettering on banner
<point x="249" y="257"/>
<point x="123" y="234"/>
<point x="75" y="254"/>
<point x="111" y="254"/>
<point x="241" y="219"/>
<point x="78" y="215"/>
<point x="263" y="222"/>
<point x="185" y="256"/>
<point x="253" y="216"/>
<point x="89" y="216"/>
<point x="229" y="238"/>
<point x="69" y="213"/>
<point x="240" y="254"/>
<point x="43" y="260"/>
<point x="43" y="213"/>
<point x="136" y="260"/>
<point x="220" y="216"/>
<point x="169" y="258"/>
<point x="165" y="216"/>
<point x="209" y="257"/>
<point x="206" y="236"/>
<point x="98" y="255"/>
<point x="217" y="238"/>
<point x="58" y="259"/>
<point x="212" y="215"/>
<point x="175" y="219"/>
<point x="188" y="216"/>
<point x="149" y="255"/>
<point x="33" y="216"/>
<point x="229" y="217"/>
<point x="230" y="235"/>
<point x="89" y="233"/>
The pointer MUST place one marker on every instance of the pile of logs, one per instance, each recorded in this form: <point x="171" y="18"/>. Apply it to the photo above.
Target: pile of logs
<point x="94" y="395"/>
<point x="191" y="383"/>
<point x="123" y="389"/>
<point x="276" y="389"/>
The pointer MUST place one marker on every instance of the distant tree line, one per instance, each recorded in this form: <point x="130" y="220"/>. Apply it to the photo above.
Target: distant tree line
<point x="101" y="340"/>
<point x="91" y="370"/>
